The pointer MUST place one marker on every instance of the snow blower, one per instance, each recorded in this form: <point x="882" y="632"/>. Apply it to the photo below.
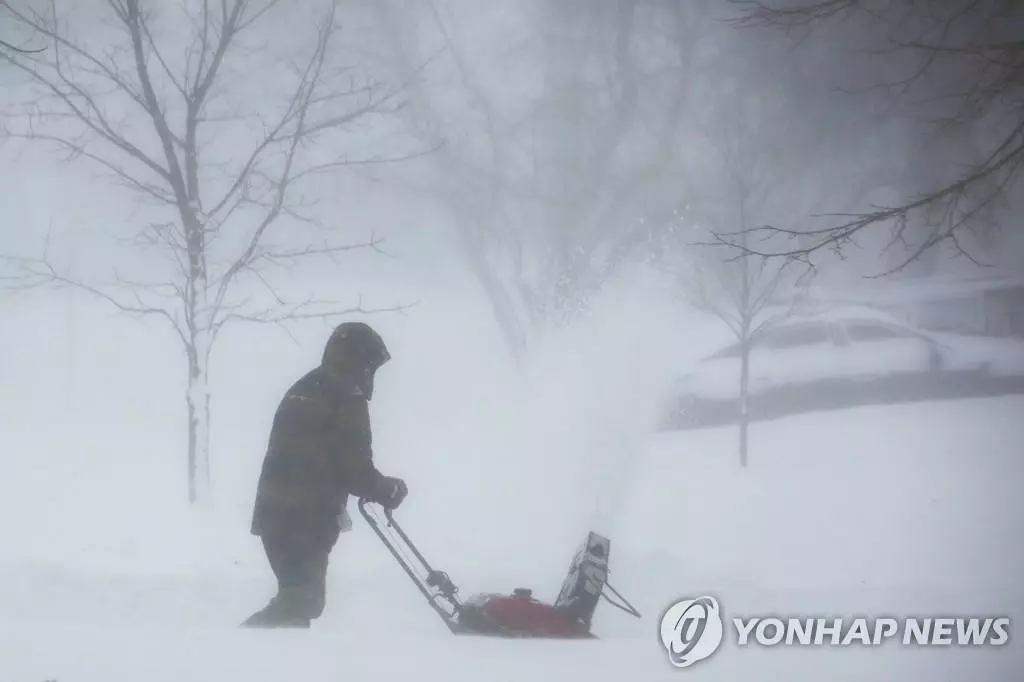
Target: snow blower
<point x="514" y="615"/>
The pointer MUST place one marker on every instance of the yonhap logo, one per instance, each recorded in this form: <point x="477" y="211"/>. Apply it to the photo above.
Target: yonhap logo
<point x="691" y="630"/>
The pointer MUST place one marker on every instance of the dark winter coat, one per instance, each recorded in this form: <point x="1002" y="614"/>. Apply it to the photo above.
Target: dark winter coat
<point x="319" y="453"/>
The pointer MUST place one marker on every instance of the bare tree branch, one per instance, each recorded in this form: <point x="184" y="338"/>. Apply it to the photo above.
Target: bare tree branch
<point x="34" y="273"/>
<point x="305" y="310"/>
<point x="1006" y="159"/>
<point x="966" y="59"/>
<point x="22" y="50"/>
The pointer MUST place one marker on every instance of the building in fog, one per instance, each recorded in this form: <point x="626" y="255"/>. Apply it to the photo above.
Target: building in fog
<point x="983" y="302"/>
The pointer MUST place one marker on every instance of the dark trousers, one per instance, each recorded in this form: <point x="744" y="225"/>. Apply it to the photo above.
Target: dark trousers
<point x="298" y="558"/>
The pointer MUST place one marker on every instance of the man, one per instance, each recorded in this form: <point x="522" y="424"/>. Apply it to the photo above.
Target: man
<point x="319" y="453"/>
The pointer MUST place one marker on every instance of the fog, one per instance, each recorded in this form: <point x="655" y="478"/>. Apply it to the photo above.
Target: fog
<point x="543" y="209"/>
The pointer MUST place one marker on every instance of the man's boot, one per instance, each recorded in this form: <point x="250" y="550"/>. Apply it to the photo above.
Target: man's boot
<point x="284" y="611"/>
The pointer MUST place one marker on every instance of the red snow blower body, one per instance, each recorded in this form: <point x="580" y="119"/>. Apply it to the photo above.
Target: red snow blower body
<point x="516" y="614"/>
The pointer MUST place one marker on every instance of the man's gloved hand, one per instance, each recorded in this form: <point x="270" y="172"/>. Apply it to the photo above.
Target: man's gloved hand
<point x="391" y="493"/>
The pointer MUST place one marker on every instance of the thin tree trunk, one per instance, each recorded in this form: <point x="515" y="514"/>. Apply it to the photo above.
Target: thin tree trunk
<point x="744" y="395"/>
<point x="197" y="398"/>
<point x="746" y="328"/>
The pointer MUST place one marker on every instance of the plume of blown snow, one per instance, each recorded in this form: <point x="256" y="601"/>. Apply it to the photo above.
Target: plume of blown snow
<point x="554" y="451"/>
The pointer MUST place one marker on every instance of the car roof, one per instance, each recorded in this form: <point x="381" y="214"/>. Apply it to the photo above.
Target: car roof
<point x="841" y="314"/>
<point x="828" y="314"/>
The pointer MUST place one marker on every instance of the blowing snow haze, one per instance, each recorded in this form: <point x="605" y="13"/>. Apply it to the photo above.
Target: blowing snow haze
<point x="736" y="286"/>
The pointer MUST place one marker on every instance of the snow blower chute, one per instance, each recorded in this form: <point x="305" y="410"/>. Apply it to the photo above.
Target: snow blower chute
<point x="508" y="615"/>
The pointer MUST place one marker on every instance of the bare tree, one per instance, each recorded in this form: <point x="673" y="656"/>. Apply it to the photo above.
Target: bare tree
<point x="753" y="152"/>
<point x="218" y="144"/>
<point x="545" y="188"/>
<point x="748" y="294"/>
<point x="955" y="68"/>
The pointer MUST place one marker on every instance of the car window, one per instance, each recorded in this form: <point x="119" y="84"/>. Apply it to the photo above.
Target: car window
<point x="793" y="337"/>
<point x="868" y="331"/>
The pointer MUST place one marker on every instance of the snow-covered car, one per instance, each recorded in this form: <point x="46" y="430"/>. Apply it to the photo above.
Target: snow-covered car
<point x="842" y="357"/>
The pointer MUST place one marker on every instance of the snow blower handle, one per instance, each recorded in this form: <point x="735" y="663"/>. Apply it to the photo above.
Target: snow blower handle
<point x="426" y="578"/>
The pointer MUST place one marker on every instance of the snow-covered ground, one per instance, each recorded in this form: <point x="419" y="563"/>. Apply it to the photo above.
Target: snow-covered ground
<point x="912" y="509"/>
<point x="106" y="575"/>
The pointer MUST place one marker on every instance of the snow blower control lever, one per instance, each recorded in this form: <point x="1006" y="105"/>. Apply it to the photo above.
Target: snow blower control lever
<point x="506" y="615"/>
<point x="443" y="583"/>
